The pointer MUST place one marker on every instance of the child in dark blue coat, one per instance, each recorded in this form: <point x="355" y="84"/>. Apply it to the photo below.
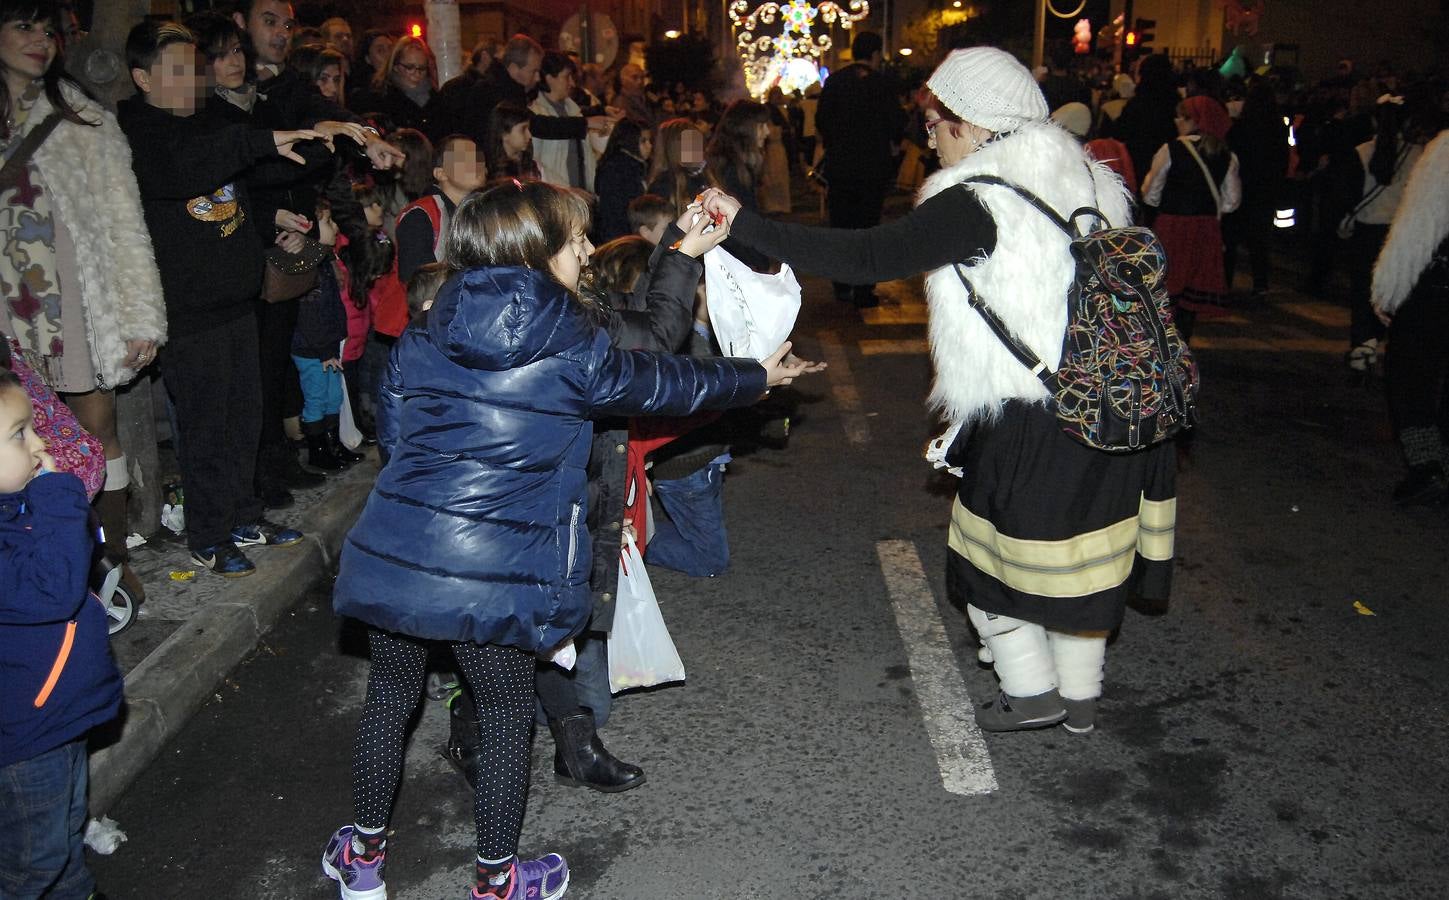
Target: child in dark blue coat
<point x="475" y="531"/>
<point x="57" y="677"/>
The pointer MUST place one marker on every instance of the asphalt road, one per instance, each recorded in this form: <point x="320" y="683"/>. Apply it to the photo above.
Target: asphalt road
<point x="1264" y="738"/>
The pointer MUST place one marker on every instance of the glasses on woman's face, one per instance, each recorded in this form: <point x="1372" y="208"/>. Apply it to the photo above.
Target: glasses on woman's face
<point x="931" y="126"/>
<point x="411" y="68"/>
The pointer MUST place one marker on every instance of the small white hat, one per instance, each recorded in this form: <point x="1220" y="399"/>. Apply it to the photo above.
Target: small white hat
<point x="988" y="88"/>
<point x="1075" y="117"/>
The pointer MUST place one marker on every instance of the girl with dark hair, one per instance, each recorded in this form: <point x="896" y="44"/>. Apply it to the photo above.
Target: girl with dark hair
<point x="412" y="180"/>
<point x="373" y="52"/>
<point x="620" y="176"/>
<point x="735" y="163"/>
<point x="509" y="150"/>
<point x="677" y="169"/>
<point x="1193" y="183"/>
<point x="474" y="533"/>
<point x="323" y="68"/>
<point x="78" y="252"/>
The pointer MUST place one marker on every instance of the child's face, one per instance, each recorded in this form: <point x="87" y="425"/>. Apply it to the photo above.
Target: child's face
<point x="373" y="212"/>
<point x="172" y="83"/>
<point x="329" y="82"/>
<point x="463" y="167"/>
<point x="570" y="261"/>
<point x="517" y="139"/>
<point x="20" y="446"/>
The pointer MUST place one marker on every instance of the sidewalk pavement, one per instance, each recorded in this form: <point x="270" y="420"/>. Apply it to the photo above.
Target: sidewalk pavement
<point x="196" y="626"/>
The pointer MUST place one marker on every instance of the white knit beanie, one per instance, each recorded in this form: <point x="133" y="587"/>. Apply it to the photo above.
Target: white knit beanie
<point x="988" y="88"/>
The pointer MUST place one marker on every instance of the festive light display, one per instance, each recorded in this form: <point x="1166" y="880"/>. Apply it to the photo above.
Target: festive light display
<point x="767" y="55"/>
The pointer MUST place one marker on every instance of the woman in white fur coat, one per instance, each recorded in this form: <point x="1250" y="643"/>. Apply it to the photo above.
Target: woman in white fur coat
<point x="1048" y="537"/>
<point x="1411" y="297"/>
<point x="83" y="294"/>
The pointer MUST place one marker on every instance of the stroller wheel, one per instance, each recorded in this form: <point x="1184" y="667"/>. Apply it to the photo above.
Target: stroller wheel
<point x="120" y="609"/>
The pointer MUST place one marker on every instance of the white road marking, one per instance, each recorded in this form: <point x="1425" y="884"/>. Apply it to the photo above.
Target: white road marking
<point x="961" y="752"/>
<point x="842" y="386"/>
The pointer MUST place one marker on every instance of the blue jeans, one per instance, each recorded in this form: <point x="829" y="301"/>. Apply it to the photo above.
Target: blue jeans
<point x="692" y="538"/>
<point x="321" y="389"/>
<point x="42" y="826"/>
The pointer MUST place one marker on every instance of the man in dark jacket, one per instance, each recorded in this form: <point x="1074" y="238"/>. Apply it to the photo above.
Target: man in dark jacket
<point x="450" y="104"/>
<point x="511" y="79"/>
<point x="211" y="261"/>
<point x="860" y="122"/>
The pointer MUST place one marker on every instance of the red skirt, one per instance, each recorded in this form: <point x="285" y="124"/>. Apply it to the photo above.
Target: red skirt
<point x="1194" y="246"/>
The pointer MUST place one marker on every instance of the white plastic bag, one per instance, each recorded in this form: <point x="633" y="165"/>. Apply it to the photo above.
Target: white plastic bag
<point x="751" y="314"/>
<point x="641" y="652"/>
<point x="347" y="431"/>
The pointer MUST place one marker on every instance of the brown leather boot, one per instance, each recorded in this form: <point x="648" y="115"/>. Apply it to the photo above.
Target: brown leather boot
<point x="111" y="507"/>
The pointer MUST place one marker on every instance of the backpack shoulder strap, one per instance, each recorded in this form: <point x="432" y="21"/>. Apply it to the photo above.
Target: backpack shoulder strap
<point x="1028" y="196"/>
<point x="1015" y="347"/>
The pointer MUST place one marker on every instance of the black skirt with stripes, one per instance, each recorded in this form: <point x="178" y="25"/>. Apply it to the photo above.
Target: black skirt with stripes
<point x="1051" y="531"/>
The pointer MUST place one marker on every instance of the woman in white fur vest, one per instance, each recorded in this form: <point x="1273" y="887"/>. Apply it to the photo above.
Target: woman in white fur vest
<point x="1048" y="537"/>
<point x="1411" y="296"/>
<point x="84" y="296"/>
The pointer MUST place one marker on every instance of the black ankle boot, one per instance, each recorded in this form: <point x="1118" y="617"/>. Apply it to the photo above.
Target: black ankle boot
<point x="462" y="748"/>
<point x="319" y="449"/>
<point x="339" y="449"/>
<point x="581" y="759"/>
<point x="277" y="464"/>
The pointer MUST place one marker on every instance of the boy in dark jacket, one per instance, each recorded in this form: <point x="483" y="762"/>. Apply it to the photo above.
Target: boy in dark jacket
<point x="57" y="677"/>
<point x="211" y="262"/>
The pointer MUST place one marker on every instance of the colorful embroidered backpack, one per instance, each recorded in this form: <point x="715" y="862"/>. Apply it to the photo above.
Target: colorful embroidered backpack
<point x="1127" y="379"/>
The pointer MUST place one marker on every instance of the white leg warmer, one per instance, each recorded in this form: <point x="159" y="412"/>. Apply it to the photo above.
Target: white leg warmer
<point x="1023" y="658"/>
<point x="118" y="474"/>
<point x="1079" y="659"/>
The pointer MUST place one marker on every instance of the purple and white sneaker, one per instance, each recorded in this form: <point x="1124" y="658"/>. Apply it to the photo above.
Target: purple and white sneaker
<point x="356" y="878"/>
<point x="545" y="878"/>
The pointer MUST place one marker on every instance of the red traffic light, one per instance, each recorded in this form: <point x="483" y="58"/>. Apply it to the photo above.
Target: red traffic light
<point x="416" y="30"/>
<point x="1132" y="39"/>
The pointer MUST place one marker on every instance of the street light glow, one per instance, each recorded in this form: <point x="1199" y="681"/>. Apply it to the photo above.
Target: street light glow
<point x="904" y="51"/>
<point x="671" y="34"/>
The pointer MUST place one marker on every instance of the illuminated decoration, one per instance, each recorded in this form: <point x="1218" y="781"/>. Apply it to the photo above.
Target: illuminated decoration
<point x="1082" y="36"/>
<point x="1066" y="15"/>
<point x="768" y="57"/>
<point x="1242" y="16"/>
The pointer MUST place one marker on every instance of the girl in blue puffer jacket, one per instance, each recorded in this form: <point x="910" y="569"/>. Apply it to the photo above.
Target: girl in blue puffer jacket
<point x="475" y="531"/>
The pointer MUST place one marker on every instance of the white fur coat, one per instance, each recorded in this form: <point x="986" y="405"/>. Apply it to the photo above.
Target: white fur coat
<point x="1024" y="280"/>
<point x="1420" y="225"/>
<point x="88" y="172"/>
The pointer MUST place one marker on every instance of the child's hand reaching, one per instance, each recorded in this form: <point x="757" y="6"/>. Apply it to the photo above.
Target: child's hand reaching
<point x="783" y="367"/>
<point x="695" y="241"/>
<point x="333" y="364"/>
<point x="326" y="228"/>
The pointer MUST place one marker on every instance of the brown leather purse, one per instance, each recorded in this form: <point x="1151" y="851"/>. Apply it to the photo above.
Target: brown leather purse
<point x="290" y="275"/>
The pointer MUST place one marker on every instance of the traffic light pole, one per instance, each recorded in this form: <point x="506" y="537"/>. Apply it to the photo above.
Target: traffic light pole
<point x="1122" y="33"/>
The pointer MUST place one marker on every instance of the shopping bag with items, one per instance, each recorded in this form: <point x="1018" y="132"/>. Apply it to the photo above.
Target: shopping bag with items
<point x="641" y="653"/>
<point x="751" y="313"/>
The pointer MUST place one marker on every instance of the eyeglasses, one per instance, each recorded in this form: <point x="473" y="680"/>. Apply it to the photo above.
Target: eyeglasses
<point x="931" y="126"/>
<point x="409" y="67"/>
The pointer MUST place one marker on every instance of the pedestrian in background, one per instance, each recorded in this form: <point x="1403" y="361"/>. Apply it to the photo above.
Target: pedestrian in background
<point x="1259" y="139"/>
<point x="735" y="163"/>
<point x="403" y="89"/>
<point x="860" y="121"/>
<point x="1411" y="293"/>
<point x="621" y="176"/>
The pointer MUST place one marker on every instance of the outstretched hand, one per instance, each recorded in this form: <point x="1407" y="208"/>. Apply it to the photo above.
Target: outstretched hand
<point x="286" y="142"/>
<point x="781" y="367"/>
<point x="696" y="240"/>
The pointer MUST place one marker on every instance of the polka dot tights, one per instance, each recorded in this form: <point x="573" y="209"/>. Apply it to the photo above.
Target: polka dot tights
<point x="501" y="679"/>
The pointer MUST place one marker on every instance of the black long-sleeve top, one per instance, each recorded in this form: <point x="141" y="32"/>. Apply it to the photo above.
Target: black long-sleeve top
<point x="952" y="226"/>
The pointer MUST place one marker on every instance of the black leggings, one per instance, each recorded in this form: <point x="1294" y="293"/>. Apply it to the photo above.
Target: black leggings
<point x="502" y="681"/>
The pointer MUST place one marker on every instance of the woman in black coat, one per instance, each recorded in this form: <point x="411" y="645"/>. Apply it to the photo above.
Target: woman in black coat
<point x="621" y="176"/>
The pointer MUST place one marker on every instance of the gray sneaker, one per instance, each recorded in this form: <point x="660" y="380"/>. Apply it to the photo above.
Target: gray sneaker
<point x="1007" y="713"/>
<point x="1081" y="715"/>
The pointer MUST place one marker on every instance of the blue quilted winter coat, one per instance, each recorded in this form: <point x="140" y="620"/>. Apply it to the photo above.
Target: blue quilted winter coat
<point x="475" y="529"/>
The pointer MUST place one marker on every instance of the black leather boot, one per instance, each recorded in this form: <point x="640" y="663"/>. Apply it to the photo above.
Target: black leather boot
<point x="319" y="449"/>
<point x="339" y="449"/>
<point x="581" y="759"/>
<point x="462" y="748"/>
